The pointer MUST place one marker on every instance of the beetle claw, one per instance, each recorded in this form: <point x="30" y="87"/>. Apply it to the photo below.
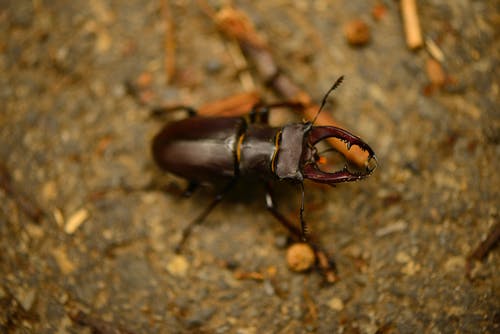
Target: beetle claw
<point x="371" y="164"/>
<point x="310" y="168"/>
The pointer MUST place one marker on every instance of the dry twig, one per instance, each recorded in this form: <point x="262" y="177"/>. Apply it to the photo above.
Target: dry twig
<point x="411" y="24"/>
<point x="236" y="24"/>
<point x="170" y="63"/>
<point x="483" y="249"/>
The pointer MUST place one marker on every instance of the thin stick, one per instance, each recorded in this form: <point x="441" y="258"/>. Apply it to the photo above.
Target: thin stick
<point x="434" y="50"/>
<point x="483" y="248"/>
<point x="169" y="41"/>
<point x="241" y="66"/>
<point x="411" y="24"/>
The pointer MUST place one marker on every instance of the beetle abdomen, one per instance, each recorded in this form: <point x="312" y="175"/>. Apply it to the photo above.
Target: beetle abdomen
<point x="199" y="149"/>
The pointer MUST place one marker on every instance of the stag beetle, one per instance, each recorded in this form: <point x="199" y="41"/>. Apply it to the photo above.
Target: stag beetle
<point x="218" y="150"/>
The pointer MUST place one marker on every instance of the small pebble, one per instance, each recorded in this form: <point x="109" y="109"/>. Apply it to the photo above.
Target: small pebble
<point x="454" y="263"/>
<point x="200" y="317"/>
<point x="336" y="304"/>
<point x="178" y="266"/>
<point x="300" y="257"/>
<point x="402" y="257"/>
<point x="411" y="268"/>
<point x="269" y="288"/>
<point x="49" y="191"/>
<point x="357" y="32"/>
<point x="392" y="228"/>
<point x="213" y="66"/>
<point x="379" y="11"/>
<point x="26" y="298"/>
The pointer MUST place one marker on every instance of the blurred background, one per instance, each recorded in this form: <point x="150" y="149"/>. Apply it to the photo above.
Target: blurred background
<point x="81" y="251"/>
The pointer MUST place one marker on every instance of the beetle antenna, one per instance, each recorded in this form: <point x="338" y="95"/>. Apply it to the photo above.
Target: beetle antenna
<point x="335" y="85"/>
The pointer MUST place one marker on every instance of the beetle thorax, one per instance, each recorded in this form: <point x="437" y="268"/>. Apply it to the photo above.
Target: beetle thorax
<point x="287" y="164"/>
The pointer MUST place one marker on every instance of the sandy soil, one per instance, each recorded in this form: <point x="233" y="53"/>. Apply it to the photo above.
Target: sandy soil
<point x="74" y="140"/>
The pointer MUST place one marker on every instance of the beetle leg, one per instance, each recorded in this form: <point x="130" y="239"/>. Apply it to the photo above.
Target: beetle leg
<point x="191" y="187"/>
<point x="271" y="206"/>
<point x="324" y="263"/>
<point x="259" y="114"/>
<point x="304" y="230"/>
<point x="187" y="230"/>
<point x="159" y="111"/>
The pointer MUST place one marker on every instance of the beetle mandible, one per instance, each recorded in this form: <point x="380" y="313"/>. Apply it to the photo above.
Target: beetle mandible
<point x="218" y="150"/>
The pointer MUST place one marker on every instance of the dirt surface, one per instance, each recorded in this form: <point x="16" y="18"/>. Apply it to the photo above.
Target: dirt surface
<point x="74" y="139"/>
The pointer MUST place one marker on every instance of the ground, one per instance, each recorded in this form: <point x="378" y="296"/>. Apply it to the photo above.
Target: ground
<point x="75" y="141"/>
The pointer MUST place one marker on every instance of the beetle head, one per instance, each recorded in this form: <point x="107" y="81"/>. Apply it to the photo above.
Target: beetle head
<point x="298" y="156"/>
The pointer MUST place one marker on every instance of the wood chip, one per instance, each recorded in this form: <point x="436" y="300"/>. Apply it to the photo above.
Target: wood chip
<point x="396" y="227"/>
<point x="75" y="220"/>
<point x="241" y="275"/>
<point x="413" y="33"/>
<point x="434" y="50"/>
<point x="435" y="73"/>
<point x="63" y="261"/>
<point x="169" y="42"/>
<point x="58" y="217"/>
